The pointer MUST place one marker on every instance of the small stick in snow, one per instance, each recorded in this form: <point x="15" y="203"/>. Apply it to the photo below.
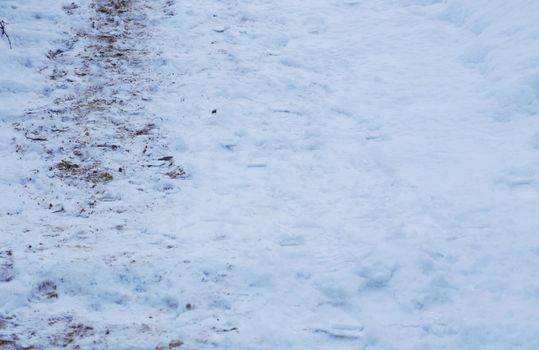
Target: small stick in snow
<point x="4" y="33"/>
<point x="35" y="138"/>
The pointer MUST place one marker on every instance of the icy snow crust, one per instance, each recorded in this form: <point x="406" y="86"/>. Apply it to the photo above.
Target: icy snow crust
<point x="269" y="174"/>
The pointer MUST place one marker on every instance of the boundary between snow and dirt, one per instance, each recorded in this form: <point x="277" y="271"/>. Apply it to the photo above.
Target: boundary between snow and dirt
<point x="89" y="158"/>
<point x="97" y="129"/>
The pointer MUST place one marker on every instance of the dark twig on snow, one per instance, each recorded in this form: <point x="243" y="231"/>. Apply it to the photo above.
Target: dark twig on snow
<point x="4" y="33"/>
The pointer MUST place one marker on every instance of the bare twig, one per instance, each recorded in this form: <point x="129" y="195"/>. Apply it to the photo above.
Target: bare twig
<point x="4" y="33"/>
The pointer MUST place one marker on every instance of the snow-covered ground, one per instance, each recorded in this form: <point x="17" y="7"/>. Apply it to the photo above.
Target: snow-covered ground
<point x="262" y="174"/>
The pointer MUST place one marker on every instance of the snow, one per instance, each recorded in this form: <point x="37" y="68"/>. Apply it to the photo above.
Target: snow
<point x="358" y="174"/>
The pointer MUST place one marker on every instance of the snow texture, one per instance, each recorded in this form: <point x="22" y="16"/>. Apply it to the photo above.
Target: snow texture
<point x="262" y="174"/>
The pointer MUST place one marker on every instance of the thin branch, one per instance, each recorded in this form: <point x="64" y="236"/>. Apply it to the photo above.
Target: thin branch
<point x="4" y="33"/>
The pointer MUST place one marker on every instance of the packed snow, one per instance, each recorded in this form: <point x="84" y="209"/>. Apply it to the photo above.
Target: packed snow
<point x="262" y="174"/>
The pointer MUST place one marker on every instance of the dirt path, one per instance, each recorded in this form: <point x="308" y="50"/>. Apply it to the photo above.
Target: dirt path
<point x="102" y="158"/>
<point x="97" y="130"/>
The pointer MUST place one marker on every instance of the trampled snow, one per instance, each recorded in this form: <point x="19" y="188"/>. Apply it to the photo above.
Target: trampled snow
<point x="324" y="174"/>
